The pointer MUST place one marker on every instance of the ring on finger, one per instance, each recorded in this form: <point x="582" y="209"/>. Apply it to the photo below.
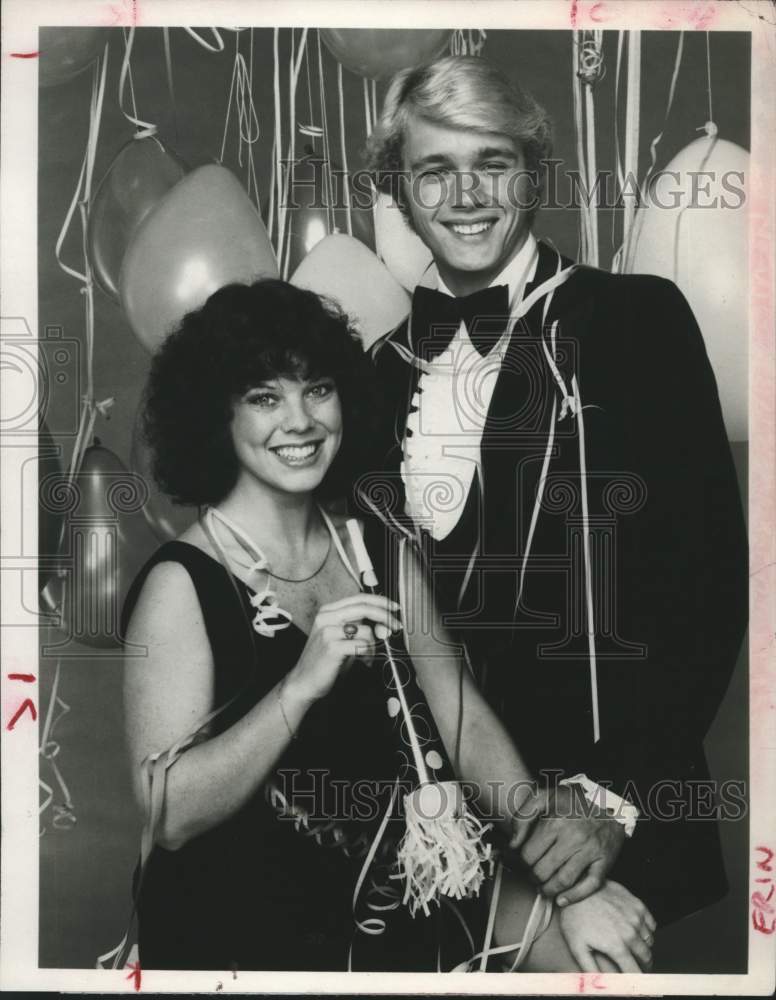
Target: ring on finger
<point x="350" y="630"/>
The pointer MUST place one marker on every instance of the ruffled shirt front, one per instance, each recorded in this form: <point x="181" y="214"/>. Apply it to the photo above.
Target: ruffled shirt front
<point x="441" y="451"/>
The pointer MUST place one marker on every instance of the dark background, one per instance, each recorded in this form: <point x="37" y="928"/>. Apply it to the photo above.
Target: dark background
<point x="85" y="872"/>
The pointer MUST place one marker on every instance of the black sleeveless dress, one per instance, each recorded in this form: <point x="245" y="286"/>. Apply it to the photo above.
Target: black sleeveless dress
<point x="263" y="891"/>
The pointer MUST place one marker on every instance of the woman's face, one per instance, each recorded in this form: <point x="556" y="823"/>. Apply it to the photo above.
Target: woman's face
<point x="286" y="432"/>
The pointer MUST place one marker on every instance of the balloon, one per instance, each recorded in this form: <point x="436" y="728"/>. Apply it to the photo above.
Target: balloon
<point x="704" y="249"/>
<point x="140" y="174"/>
<point x="166" y="519"/>
<point x="105" y="543"/>
<point x="49" y="516"/>
<point x="204" y="233"/>
<point x="380" y="52"/>
<point x="343" y="269"/>
<point x="402" y="251"/>
<point x="310" y="220"/>
<point x="66" y="52"/>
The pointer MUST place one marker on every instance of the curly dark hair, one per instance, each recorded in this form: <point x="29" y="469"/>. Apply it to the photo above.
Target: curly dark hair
<point x="243" y="335"/>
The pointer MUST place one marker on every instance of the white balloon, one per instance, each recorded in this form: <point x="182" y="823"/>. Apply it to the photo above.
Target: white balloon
<point x="693" y="230"/>
<point x="341" y="268"/>
<point x="403" y="252"/>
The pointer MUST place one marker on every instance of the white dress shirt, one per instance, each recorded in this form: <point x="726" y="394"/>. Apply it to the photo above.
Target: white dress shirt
<point x="448" y="413"/>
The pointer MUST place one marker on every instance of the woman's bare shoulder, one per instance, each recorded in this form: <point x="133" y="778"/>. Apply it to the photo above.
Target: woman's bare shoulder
<point x="167" y="605"/>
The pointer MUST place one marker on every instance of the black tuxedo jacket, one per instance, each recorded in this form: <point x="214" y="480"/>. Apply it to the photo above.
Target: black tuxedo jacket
<point x="668" y="559"/>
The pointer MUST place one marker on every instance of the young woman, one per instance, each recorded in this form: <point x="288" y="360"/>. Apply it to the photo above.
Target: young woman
<point x="255" y="709"/>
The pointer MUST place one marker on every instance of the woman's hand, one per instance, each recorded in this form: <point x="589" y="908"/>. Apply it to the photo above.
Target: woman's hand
<point x="327" y="647"/>
<point x="614" y="923"/>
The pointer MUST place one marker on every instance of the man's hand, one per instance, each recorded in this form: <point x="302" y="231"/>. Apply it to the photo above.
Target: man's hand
<point x="568" y="844"/>
<point x="612" y="924"/>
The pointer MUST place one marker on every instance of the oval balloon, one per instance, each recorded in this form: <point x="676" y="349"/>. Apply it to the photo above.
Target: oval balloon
<point x="142" y="172"/>
<point x="166" y="519"/>
<point x="105" y="543"/>
<point x="49" y="513"/>
<point x="205" y="233"/>
<point x="309" y="218"/>
<point x="380" y="52"/>
<point x="693" y="230"/>
<point x="404" y="254"/>
<point x="343" y="269"/>
<point x="66" y="52"/>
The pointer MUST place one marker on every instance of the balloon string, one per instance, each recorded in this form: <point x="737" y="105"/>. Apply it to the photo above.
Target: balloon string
<point x="280" y="207"/>
<point x="632" y="117"/>
<point x="170" y="81"/>
<point x="617" y="257"/>
<point x="144" y="129"/>
<point x="295" y="66"/>
<point x="64" y="815"/>
<point x="577" y="95"/>
<point x="374" y="101"/>
<point x="251" y="158"/>
<point x="81" y="200"/>
<point x="218" y="46"/>
<point x="326" y="148"/>
<point x="367" y="110"/>
<point x="708" y="73"/>
<point x="343" y="151"/>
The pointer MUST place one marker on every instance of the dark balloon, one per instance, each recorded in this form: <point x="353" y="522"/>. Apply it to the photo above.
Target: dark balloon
<point x="105" y="543"/>
<point x="142" y="172"/>
<point x="49" y="515"/>
<point x="378" y="53"/>
<point x="66" y="52"/>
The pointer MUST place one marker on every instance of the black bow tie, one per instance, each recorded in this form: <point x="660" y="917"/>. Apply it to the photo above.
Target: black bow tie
<point x="436" y="318"/>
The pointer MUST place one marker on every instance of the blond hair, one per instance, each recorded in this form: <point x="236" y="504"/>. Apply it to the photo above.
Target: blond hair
<point x="465" y="92"/>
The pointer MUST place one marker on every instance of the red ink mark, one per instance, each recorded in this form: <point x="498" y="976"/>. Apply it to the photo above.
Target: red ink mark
<point x="765" y="865"/>
<point x="701" y="18"/>
<point x="26" y="704"/>
<point x="597" y="14"/>
<point x="29" y="678"/>
<point x="581" y="983"/>
<point x="136" y="973"/>
<point x="758" y="922"/>
<point x="596" y="985"/>
<point x="25" y="55"/>
<point x="763" y="902"/>
<point x="573" y="16"/>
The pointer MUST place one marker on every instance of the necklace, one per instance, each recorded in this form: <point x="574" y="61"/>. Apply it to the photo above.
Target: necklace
<point x="252" y="548"/>
<point x="304" y="579"/>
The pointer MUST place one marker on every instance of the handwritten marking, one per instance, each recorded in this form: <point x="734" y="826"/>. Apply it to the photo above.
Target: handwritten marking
<point x="136" y="973"/>
<point x="573" y="13"/>
<point x="25" y="55"/>
<point x="590" y="981"/>
<point x="598" y="14"/>
<point x="761" y="904"/>
<point x="28" y="678"/>
<point x="25" y="705"/>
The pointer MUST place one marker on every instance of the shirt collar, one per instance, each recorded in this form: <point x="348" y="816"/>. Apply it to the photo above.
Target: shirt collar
<point x="518" y="272"/>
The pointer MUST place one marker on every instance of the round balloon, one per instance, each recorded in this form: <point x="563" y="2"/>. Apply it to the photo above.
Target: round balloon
<point x="693" y="230"/>
<point x="343" y="269"/>
<point x="309" y="220"/>
<point x="105" y="543"/>
<point x="380" y="52"/>
<point x="404" y="254"/>
<point x="66" y="52"/>
<point x="142" y="172"/>
<point x="166" y="519"/>
<point x="204" y="233"/>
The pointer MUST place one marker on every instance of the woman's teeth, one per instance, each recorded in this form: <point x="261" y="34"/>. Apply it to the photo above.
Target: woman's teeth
<point x="470" y="228"/>
<point x="296" y="452"/>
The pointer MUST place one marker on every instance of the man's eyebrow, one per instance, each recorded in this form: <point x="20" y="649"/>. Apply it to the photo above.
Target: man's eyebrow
<point x="504" y="151"/>
<point x="435" y="158"/>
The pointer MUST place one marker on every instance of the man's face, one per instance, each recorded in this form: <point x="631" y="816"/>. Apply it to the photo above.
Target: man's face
<point x="468" y="195"/>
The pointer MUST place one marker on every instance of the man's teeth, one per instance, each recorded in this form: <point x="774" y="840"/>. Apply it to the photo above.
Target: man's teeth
<point x="297" y="451"/>
<point x="470" y="228"/>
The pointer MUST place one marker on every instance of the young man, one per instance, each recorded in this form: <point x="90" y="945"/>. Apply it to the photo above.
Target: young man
<point x="557" y="447"/>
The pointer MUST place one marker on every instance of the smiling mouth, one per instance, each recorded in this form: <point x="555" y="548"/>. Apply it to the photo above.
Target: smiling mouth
<point x="470" y="228"/>
<point x="297" y="454"/>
